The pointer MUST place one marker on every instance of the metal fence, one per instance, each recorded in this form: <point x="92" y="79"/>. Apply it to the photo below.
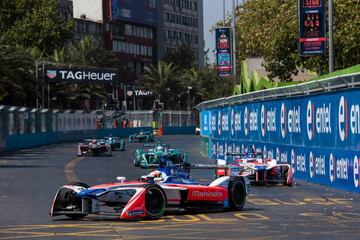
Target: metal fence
<point x="21" y="120"/>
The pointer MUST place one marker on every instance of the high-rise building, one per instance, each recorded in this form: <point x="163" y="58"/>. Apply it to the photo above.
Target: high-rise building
<point x="88" y="19"/>
<point x="181" y="22"/>
<point x="130" y="31"/>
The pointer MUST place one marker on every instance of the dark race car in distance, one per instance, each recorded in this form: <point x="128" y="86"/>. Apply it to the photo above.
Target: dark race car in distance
<point x="116" y="143"/>
<point x="94" y="147"/>
<point x="142" y="137"/>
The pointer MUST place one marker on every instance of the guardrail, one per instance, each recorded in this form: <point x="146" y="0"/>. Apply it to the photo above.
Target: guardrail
<point x="303" y="89"/>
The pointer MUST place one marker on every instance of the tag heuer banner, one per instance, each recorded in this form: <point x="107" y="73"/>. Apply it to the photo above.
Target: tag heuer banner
<point x="223" y="52"/>
<point x="312" y="31"/>
<point x="57" y="74"/>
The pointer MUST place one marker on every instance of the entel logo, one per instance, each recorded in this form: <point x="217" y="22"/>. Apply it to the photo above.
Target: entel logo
<point x="283" y="120"/>
<point x="263" y="120"/>
<point x="356" y="171"/>
<point x="246" y="121"/>
<point x="219" y="123"/>
<point x="311" y="163"/>
<point x="332" y="168"/>
<point x="205" y="122"/>
<point x="310" y="123"/>
<point x="343" y="119"/>
<point x="232" y="124"/>
<point x="213" y="123"/>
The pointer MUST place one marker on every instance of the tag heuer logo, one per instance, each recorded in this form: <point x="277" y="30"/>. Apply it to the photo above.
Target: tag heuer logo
<point x="129" y="93"/>
<point x="51" y="74"/>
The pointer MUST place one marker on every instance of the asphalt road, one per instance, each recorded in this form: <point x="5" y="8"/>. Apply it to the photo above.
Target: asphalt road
<point x="30" y="178"/>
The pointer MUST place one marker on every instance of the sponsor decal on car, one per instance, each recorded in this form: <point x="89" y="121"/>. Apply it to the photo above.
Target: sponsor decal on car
<point x="209" y="194"/>
<point x="134" y="213"/>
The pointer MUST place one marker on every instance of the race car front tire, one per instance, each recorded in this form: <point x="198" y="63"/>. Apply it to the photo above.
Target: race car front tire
<point x="155" y="201"/>
<point x="237" y="193"/>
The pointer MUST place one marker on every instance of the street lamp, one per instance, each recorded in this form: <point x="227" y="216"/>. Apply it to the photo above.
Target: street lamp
<point x="189" y="114"/>
<point x="188" y="92"/>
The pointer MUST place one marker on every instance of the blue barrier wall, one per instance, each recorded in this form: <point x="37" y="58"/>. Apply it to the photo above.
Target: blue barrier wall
<point x="179" y="130"/>
<point x="21" y="141"/>
<point x="318" y="134"/>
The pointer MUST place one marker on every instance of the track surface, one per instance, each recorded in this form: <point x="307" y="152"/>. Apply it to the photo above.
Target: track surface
<point x="30" y="178"/>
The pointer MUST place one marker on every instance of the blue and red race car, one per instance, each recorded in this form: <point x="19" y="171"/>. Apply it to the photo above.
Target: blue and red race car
<point x="151" y="195"/>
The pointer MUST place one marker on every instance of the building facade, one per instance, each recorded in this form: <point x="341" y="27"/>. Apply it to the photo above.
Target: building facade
<point x="181" y="22"/>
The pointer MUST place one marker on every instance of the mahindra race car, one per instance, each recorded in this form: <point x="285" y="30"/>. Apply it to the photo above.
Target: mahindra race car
<point x="254" y="166"/>
<point x="94" y="147"/>
<point x="150" y="196"/>
<point x="142" y="137"/>
<point x="150" y="155"/>
<point x="116" y="143"/>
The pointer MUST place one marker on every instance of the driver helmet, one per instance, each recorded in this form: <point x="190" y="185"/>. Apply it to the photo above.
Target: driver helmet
<point x="250" y="153"/>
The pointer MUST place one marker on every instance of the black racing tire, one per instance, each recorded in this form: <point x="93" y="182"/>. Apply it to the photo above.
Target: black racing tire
<point x="237" y="193"/>
<point x="155" y="201"/>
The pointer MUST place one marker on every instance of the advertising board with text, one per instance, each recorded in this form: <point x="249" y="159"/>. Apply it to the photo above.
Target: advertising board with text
<point x="312" y="30"/>
<point x="223" y="52"/>
<point x="323" y="128"/>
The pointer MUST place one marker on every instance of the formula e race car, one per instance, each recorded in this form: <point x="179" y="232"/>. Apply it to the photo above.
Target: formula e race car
<point x="150" y="196"/>
<point x="254" y="166"/>
<point x="150" y="155"/>
<point x="116" y="143"/>
<point x="142" y="137"/>
<point x="94" y="147"/>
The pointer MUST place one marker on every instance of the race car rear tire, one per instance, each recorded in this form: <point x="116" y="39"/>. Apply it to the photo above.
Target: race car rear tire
<point x="237" y="193"/>
<point x="155" y="201"/>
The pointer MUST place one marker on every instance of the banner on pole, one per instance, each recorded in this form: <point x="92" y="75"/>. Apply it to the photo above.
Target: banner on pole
<point x="312" y="29"/>
<point x="223" y="51"/>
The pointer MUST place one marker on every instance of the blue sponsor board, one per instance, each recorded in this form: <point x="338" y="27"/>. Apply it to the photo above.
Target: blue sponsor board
<point x="139" y="11"/>
<point x="323" y="127"/>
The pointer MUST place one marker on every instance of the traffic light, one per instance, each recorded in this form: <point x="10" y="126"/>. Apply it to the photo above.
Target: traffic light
<point x="158" y="106"/>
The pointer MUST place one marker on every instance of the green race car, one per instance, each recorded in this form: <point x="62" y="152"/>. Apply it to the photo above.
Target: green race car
<point x="142" y="137"/>
<point x="150" y="155"/>
<point x="116" y="143"/>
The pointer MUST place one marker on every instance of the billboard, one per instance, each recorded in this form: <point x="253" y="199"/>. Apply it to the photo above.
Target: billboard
<point x="319" y="134"/>
<point x="223" y="51"/>
<point x="312" y="27"/>
<point x="63" y="74"/>
<point x="138" y="11"/>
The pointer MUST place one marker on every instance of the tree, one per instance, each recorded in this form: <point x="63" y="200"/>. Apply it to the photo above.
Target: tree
<point x="268" y="28"/>
<point x="165" y="83"/>
<point x="34" y="23"/>
<point x="182" y="58"/>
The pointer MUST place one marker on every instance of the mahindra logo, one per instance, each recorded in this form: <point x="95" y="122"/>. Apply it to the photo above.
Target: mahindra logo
<point x="206" y="194"/>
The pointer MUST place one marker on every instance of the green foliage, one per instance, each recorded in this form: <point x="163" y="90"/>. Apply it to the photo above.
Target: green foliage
<point x="255" y="82"/>
<point x="268" y="28"/>
<point x="182" y="58"/>
<point x="34" y="23"/>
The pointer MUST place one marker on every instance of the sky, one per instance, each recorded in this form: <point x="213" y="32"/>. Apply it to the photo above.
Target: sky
<point x="213" y="12"/>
